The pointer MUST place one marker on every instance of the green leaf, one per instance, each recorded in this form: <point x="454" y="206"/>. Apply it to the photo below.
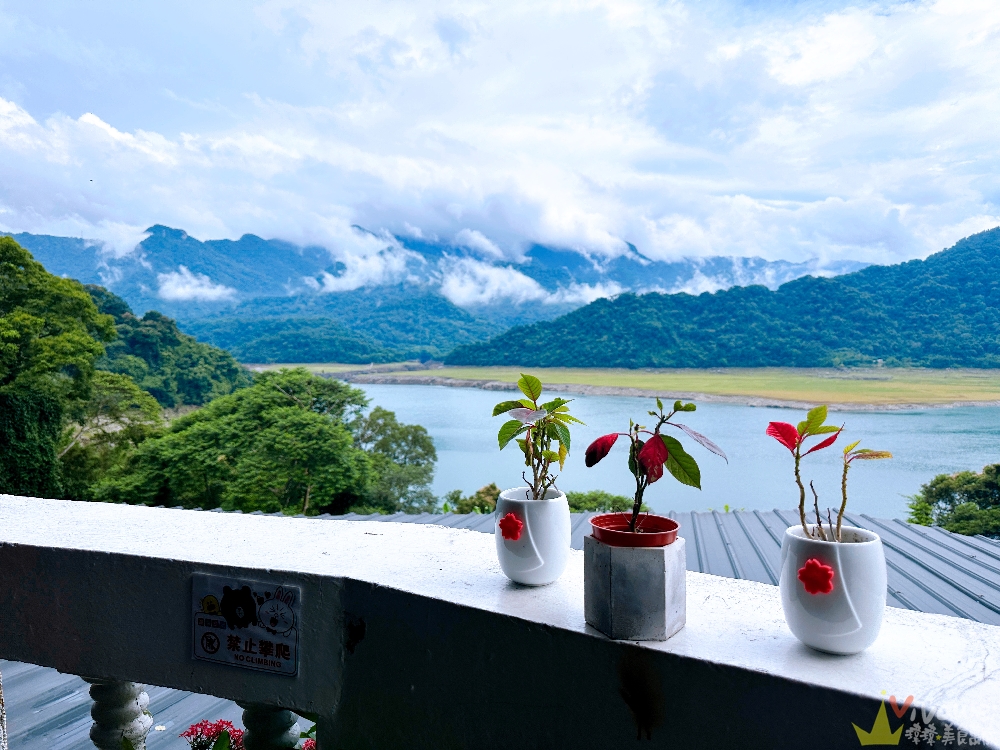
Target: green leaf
<point x="562" y="455"/>
<point x="659" y="404"/>
<point x="690" y="407"/>
<point x="678" y="406"/>
<point x="127" y="744"/>
<point x="530" y="386"/>
<point x="222" y="741"/>
<point x="851" y="447"/>
<point x="824" y="429"/>
<point x="505" y="406"/>
<point x="551" y="456"/>
<point x="815" y="419"/>
<point x="634" y="465"/>
<point x="563" y="433"/>
<point x="680" y="464"/>
<point x="561" y="417"/>
<point x="523" y="445"/>
<point x="554" y="404"/>
<point x="509" y="430"/>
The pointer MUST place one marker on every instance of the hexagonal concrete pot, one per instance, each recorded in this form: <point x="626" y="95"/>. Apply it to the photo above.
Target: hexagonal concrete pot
<point x="532" y="536"/>
<point x="635" y="593"/>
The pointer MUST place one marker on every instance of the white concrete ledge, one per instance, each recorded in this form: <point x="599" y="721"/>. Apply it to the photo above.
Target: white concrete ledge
<point x="413" y="637"/>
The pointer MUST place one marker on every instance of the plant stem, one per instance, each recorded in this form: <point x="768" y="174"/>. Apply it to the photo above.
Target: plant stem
<point x="802" y="494"/>
<point x="819" y="519"/>
<point x="843" y="492"/>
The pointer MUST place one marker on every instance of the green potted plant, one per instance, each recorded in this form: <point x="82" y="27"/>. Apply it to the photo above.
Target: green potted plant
<point x="532" y="521"/>
<point x="635" y="564"/>
<point x="833" y="579"/>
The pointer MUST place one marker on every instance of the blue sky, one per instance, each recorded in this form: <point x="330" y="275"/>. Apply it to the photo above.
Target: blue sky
<point x="779" y="129"/>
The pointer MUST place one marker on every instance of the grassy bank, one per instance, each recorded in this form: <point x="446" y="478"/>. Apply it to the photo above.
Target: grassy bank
<point x="878" y="386"/>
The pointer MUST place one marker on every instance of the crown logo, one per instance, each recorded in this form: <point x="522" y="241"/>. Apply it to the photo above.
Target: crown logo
<point x="880" y="734"/>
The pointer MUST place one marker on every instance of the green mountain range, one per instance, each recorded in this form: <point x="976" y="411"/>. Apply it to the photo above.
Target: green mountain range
<point x="940" y="312"/>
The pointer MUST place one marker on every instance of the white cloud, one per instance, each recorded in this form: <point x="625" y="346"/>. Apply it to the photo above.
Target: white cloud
<point x="475" y="240"/>
<point x="182" y="285"/>
<point x="778" y="130"/>
<point x="469" y="282"/>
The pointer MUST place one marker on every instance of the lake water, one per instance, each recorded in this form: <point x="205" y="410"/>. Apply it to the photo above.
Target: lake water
<point x="759" y="473"/>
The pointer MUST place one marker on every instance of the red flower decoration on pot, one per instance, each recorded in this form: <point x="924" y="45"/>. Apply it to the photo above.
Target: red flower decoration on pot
<point x="510" y="527"/>
<point x="816" y="577"/>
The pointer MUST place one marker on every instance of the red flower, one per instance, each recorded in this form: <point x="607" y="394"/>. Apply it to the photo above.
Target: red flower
<point x="202" y="736"/>
<point x="816" y="577"/>
<point x="600" y="448"/>
<point x="309" y="744"/>
<point x="510" y="527"/>
<point x="652" y="457"/>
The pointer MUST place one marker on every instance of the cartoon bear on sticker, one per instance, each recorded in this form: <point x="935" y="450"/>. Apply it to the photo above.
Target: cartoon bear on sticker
<point x="275" y="614"/>
<point x="238" y="607"/>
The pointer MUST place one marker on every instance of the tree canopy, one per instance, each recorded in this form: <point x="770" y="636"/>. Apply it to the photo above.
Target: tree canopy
<point x="966" y="502"/>
<point x="292" y="442"/>
<point x="172" y="366"/>
<point x="51" y="332"/>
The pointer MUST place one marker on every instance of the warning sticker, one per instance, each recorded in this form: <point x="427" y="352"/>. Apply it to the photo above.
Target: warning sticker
<point x="249" y="624"/>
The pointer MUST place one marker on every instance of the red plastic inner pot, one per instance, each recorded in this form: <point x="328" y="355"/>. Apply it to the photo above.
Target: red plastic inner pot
<point x="651" y="531"/>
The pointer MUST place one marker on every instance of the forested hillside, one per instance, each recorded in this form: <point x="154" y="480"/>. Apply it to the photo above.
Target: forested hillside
<point x="83" y="383"/>
<point x="940" y="312"/>
<point x="173" y="367"/>
<point x="359" y="326"/>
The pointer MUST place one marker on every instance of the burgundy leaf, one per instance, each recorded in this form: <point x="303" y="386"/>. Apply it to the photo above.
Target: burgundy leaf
<point x="784" y="433"/>
<point x="600" y="448"/>
<point x="702" y="440"/>
<point x="825" y="444"/>
<point x="652" y="457"/>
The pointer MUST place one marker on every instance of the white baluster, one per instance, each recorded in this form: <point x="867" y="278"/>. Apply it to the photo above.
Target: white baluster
<point x="269" y="728"/>
<point x="119" y="714"/>
<point x="3" y="719"/>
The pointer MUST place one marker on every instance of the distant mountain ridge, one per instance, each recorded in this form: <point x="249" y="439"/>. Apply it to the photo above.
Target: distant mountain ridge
<point x="940" y="312"/>
<point x="407" y="297"/>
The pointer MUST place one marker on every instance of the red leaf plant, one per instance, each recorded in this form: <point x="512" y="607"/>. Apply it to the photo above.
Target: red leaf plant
<point x="816" y="577"/>
<point x="649" y="456"/>
<point x="510" y="527"/>
<point x="794" y="438"/>
<point x="206" y="734"/>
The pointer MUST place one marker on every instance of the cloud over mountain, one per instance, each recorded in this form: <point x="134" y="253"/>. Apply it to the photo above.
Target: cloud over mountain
<point x="797" y="131"/>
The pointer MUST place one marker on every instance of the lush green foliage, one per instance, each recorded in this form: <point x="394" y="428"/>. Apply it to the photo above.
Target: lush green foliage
<point x="291" y="442"/>
<point x="598" y="501"/>
<point x="363" y="325"/>
<point x="546" y="432"/>
<point x="51" y="332"/>
<point x="30" y="428"/>
<point x="116" y="418"/>
<point x="940" y="312"/>
<point x="648" y="457"/>
<point x="483" y="500"/>
<point x="291" y="340"/>
<point x="172" y="366"/>
<point x="966" y="502"/>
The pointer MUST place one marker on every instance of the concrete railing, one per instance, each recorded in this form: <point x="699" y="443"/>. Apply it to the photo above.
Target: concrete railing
<point x="409" y="636"/>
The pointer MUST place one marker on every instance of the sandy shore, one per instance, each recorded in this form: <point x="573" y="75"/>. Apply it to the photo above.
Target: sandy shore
<point x="385" y="378"/>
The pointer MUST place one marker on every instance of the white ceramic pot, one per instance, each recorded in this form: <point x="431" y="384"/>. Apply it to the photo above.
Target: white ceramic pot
<point x="536" y="553"/>
<point x="833" y="594"/>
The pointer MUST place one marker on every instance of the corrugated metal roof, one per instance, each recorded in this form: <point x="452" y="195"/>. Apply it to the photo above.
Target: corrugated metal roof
<point x="930" y="570"/>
